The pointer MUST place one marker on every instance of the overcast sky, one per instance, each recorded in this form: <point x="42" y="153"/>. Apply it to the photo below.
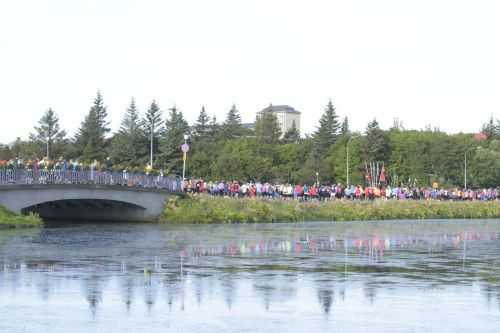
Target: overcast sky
<point x="425" y="62"/>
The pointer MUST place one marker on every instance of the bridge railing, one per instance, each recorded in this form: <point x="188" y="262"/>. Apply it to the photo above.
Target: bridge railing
<point x="88" y="177"/>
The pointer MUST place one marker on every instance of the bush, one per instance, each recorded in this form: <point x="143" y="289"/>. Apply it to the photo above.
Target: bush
<point x="11" y="220"/>
<point x="206" y="209"/>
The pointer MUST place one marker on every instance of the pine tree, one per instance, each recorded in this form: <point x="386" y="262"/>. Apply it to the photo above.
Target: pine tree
<point x="292" y="135"/>
<point x="267" y="128"/>
<point x="48" y="133"/>
<point x="232" y="126"/>
<point x="344" y="128"/>
<point x="153" y="128"/>
<point x="129" y="145"/>
<point x="170" y="142"/>
<point x="90" y="139"/>
<point x="491" y="129"/>
<point x="5" y="153"/>
<point x="101" y="112"/>
<point x="375" y="148"/>
<point x="214" y="129"/>
<point x="328" y="130"/>
<point x="202" y="125"/>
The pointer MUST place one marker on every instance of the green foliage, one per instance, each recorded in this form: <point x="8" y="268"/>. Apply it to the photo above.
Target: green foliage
<point x="202" y="126"/>
<point x="267" y="129"/>
<point x="344" y="127"/>
<point x="153" y="129"/>
<point x="48" y="135"/>
<point x="491" y="129"/>
<point x="485" y="165"/>
<point x="375" y="148"/>
<point x="231" y="128"/>
<point x="328" y="130"/>
<point x="240" y="159"/>
<point x="205" y="209"/>
<point x="170" y="152"/>
<point x="90" y="139"/>
<point x="292" y="135"/>
<point x="204" y="145"/>
<point x="5" y="152"/>
<point x="11" y="220"/>
<point x="129" y="145"/>
<point x="227" y="150"/>
<point x="25" y="149"/>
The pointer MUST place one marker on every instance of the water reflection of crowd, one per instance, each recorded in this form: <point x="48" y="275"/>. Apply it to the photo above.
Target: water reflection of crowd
<point x="165" y="276"/>
<point x="371" y="246"/>
<point x="237" y="189"/>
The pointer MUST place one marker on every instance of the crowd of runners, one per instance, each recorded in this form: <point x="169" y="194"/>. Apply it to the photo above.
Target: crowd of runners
<point x="307" y="192"/>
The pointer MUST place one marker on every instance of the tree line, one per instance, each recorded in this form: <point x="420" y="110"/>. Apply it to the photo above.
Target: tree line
<point x="227" y="150"/>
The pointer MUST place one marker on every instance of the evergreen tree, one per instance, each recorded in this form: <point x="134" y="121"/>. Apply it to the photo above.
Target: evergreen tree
<point x="90" y="139"/>
<point x="214" y="129"/>
<point x="48" y="133"/>
<point x="5" y="152"/>
<point x="232" y="126"/>
<point x="328" y="130"/>
<point x="491" y="129"/>
<point x="375" y="148"/>
<point x="129" y="145"/>
<point x="205" y="146"/>
<point x="292" y="135"/>
<point x="170" y="143"/>
<point x="267" y="128"/>
<point x="202" y="125"/>
<point x="16" y="147"/>
<point x="101" y="112"/>
<point x="153" y="128"/>
<point x="344" y="128"/>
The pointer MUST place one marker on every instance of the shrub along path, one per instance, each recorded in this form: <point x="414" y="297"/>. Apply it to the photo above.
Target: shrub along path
<point x="204" y="209"/>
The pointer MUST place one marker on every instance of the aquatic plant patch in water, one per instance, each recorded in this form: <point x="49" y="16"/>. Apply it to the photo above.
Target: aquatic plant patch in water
<point x="205" y="209"/>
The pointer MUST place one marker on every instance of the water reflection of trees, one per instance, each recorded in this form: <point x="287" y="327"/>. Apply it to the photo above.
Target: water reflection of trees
<point x="229" y="289"/>
<point x="127" y="290"/>
<point x="92" y="287"/>
<point x="272" y="268"/>
<point x="326" y="294"/>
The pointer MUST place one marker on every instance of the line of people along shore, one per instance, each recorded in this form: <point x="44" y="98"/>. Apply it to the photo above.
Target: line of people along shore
<point x="314" y="192"/>
<point x="302" y="192"/>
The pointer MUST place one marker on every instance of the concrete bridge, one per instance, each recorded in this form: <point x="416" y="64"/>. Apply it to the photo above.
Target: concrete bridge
<point x="100" y="197"/>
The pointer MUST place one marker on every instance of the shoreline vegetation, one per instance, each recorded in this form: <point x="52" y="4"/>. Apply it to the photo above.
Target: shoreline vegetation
<point x="204" y="209"/>
<point x="10" y="220"/>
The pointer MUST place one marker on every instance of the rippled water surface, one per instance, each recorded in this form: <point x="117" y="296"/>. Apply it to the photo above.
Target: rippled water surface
<point x="401" y="276"/>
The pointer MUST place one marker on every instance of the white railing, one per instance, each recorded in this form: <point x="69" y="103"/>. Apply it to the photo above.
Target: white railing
<point x="88" y="177"/>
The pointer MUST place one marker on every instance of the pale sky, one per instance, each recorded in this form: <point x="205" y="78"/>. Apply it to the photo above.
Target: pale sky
<point x="425" y="62"/>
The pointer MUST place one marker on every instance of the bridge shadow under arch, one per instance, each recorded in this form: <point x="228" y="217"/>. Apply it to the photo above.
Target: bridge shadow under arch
<point x="87" y="210"/>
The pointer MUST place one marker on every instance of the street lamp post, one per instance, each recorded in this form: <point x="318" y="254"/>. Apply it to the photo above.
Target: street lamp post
<point x="347" y="161"/>
<point x="151" y="145"/>
<point x="347" y="158"/>
<point x="465" y="170"/>
<point x="185" y="149"/>
<point x="466" y="164"/>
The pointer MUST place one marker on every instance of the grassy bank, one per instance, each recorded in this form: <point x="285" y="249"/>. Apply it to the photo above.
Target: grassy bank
<point x="206" y="209"/>
<point x="11" y="220"/>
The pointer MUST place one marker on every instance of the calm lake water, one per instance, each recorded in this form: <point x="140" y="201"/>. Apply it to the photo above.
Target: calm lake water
<point x="402" y="276"/>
